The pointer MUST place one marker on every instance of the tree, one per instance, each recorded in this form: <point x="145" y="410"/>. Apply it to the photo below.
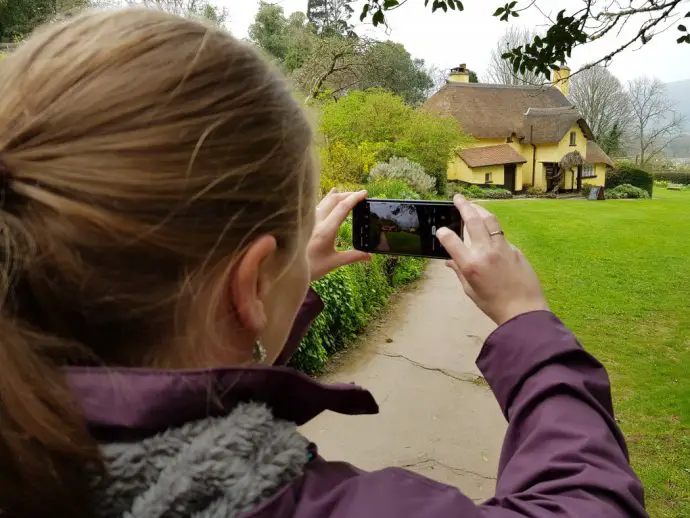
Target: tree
<point x="206" y="9"/>
<point x="438" y="76"/>
<point x="289" y="40"/>
<point x="388" y="65"/>
<point x="18" y="18"/>
<point x="380" y="121"/>
<point x="655" y="123"/>
<point x="604" y="104"/>
<point x="501" y="71"/>
<point x="269" y="30"/>
<point x="334" y="65"/>
<point x="331" y="17"/>
<point x="570" y="29"/>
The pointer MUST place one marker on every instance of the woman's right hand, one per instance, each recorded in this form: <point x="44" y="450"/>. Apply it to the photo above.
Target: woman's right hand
<point x="493" y="273"/>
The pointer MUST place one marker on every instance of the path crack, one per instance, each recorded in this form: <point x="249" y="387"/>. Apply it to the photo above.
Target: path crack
<point x="459" y="471"/>
<point x="440" y="370"/>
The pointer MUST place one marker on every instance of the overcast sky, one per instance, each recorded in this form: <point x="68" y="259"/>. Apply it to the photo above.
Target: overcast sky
<point x="446" y="40"/>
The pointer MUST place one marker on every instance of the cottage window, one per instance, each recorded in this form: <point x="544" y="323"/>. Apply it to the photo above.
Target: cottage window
<point x="573" y="138"/>
<point x="488" y="178"/>
<point x="588" y="171"/>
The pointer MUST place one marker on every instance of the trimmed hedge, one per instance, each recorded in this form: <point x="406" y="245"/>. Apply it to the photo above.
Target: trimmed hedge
<point x="355" y="294"/>
<point x="477" y="192"/>
<point x="682" y="177"/>
<point x="352" y="296"/>
<point x="631" y="175"/>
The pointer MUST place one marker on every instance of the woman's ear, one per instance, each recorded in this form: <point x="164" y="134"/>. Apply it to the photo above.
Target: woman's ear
<point x="250" y="282"/>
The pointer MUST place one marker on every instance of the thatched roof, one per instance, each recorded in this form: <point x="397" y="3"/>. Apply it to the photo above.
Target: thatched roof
<point x="491" y="155"/>
<point x="596" y="155"/>
<point x="499" y="111"/>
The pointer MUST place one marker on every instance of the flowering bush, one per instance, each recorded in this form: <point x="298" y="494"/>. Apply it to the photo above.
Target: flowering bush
<point x="405" y="170"/>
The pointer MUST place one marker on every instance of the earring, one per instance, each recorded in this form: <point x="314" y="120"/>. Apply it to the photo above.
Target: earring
<point x="259" y="352"/>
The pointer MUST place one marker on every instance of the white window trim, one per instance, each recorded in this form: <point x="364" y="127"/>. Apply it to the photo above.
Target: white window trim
<point x="589" y="171"/>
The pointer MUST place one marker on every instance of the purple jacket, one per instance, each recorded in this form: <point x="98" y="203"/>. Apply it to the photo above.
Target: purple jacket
<point x="563" y="454"/>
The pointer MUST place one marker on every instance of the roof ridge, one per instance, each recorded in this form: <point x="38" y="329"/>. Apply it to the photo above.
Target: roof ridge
<point x="454" y="84"/>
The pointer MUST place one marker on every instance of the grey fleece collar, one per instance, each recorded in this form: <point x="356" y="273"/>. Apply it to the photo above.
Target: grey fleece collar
<point x="211" y="468"/>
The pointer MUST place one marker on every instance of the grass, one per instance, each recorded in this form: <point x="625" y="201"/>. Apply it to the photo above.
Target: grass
<point x="618" y="273"/>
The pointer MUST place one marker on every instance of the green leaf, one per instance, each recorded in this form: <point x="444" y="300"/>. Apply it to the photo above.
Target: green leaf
<point x="512" y="4"/>
<point x="389" y="4"/>
<point x="499" y="11"/>
<point x="515" y="15"/>
<point x="682" y="28"/>
<point x="378" y="18"/>
<point x="365" y="11"/>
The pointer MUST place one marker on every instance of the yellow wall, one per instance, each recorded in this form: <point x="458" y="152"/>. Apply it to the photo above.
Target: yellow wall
<point x="600" y="179"/>
<point x="458" y="169"/>
<point x="553" y="153"/>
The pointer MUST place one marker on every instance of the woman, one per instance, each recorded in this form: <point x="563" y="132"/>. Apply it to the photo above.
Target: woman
<point x="158" y="240"/>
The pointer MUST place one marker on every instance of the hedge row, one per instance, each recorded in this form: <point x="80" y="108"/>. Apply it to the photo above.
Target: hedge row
<point x="477" y="192"/>
<point x="628" y="174"/>
<point x="352" y="296"/>
<point x="682" y="177"/>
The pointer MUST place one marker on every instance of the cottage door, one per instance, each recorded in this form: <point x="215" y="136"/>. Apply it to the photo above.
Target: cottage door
<point x="550" y="170"/>
<point x="509" y="171"/>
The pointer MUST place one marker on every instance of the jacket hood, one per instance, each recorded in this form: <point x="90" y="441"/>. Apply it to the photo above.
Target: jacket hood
<point x="134" y="403"/>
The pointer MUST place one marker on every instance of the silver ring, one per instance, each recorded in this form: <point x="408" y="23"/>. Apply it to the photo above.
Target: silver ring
<point x="496" y="233"/>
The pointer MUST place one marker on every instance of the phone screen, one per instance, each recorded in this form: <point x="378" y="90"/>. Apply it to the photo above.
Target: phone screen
<point x="403" y="227"/>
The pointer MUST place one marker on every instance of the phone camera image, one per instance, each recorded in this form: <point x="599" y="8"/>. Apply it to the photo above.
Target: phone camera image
<point x="395" y="227"/>
<point x="403" y="227"/>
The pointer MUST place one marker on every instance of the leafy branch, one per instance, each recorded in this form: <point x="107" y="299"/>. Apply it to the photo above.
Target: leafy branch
<point x="546" y="53"/>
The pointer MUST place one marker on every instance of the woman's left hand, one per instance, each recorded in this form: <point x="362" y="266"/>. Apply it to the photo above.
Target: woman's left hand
<point x="330" y="215"/>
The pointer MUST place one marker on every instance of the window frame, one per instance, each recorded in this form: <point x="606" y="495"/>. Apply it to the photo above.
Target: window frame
<point x="488" y="177"/>
<point x="589" y="171"/>
<point x="573" y="138"/>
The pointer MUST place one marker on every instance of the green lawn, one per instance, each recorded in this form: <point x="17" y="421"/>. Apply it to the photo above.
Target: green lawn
<point x="618" y="273"/>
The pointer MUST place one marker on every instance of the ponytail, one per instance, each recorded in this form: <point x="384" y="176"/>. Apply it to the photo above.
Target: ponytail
<point x="45" y="447"/>
<point x="44" y="443"/>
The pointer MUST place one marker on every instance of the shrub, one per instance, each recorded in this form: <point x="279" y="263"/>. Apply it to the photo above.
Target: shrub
<point x="632" y="175"/>
<point x="477" y="192"/>
<point x="661" y="183"/>
<point x="587" y="188"/>
<point x="536" y="191"/>
<point x="405" y="170"/>
<point x="391" y="189"/>
<point x="352" y="296"/>
<point x="496" y="194"/>
<point x="682" y="177"/>
<point x="355" y="294"/>
<point x="625" y="191"/>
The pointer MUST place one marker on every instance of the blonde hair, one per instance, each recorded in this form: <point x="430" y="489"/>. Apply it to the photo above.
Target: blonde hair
<point x="140" y="151"/>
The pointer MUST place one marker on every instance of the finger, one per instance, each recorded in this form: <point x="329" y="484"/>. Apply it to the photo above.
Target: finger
<point x="326" y="206"/>
<point x="474" y="224"/>
<point x="337" y="216"/>
<point x="491" y="223"/>
<point x="453" y="245"/>
<point x="350" y="257"/>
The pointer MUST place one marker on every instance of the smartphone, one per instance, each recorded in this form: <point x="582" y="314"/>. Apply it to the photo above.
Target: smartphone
<point x="403" y="227"/>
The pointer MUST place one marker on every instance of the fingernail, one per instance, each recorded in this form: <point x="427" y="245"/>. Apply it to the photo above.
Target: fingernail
<point x="440" y="231"/>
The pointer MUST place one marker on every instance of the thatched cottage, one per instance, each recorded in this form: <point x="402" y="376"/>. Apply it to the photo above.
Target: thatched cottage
<point x="525" y="136"/>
